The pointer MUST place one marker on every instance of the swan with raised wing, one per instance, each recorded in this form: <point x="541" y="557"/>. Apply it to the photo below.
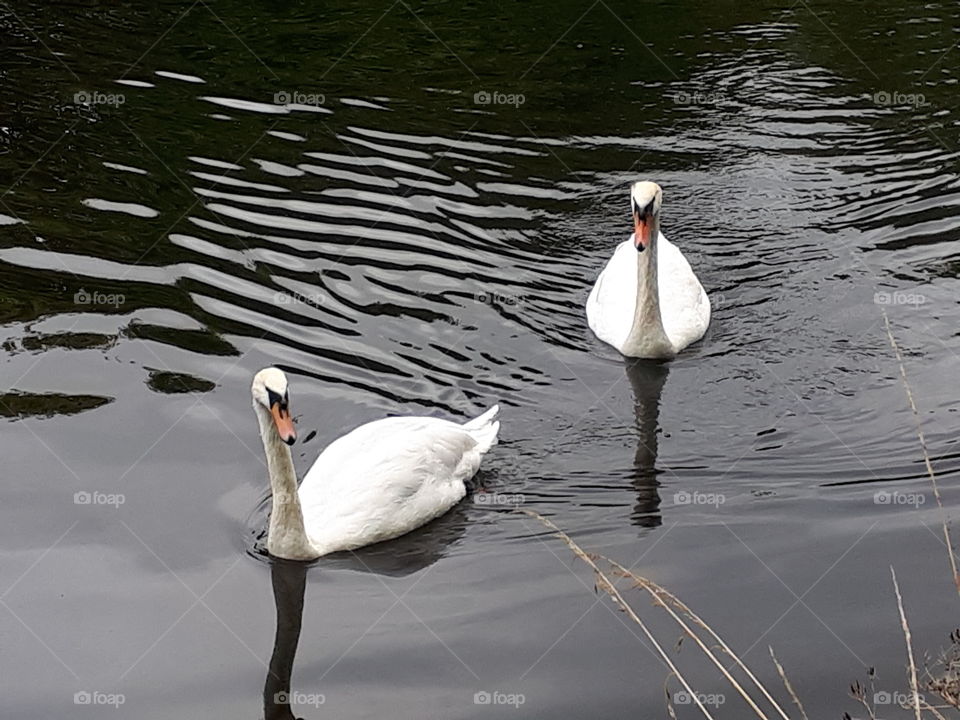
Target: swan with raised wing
<point x="648" y="302"/>
<point x="377" y="482"/>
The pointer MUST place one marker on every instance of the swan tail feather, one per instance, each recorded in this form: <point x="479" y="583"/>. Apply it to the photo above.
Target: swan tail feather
<point x="484" y="428"/>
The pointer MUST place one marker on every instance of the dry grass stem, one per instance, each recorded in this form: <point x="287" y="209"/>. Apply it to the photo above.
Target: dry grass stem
<point x="944" y="678"/>
<point x="787" y="685"/>
<point x="923" y="447"/>
<point x="932" y="710"/>
<point x="914" y="689"/>
<point x="604" y="583"/>
<point x="859" y="693"/>
<point x="653" y="587"/>
<point x="664" y="599"/>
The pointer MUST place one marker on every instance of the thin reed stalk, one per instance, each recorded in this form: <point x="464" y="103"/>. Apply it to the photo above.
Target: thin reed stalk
<point x="665" y="599"/>
<point x="914" y="689"/>
<point x="659" y="593"/>
<point x="604" y="583"/>
<point x="923" y="448"/>
<point x="787" y="685"/>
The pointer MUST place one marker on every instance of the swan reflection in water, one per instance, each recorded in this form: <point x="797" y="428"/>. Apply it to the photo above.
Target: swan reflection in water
<point x="406" y="555"/>
<point x="289" y="584"/>
<point x="647" y="378"/>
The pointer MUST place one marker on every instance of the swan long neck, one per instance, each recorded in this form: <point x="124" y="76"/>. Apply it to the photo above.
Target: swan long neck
<point x="647" y="337"/>
<point x="287" y="537"/>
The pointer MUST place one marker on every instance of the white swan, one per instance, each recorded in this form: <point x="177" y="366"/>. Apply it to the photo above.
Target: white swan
<point x="647" y="302"/>
<point x="375" y="483"/>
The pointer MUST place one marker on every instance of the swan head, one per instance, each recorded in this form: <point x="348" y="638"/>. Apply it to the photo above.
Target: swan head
<point x="270" y="392"/>
<point x="645" y="200"/>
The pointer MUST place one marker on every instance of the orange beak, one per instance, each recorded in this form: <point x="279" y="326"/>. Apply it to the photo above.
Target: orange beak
<point x="283" y="423"/>
<point x="641" y="232"/>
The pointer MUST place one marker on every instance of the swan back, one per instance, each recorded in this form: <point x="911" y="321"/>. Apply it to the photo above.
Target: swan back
<point x="391" y="476"/>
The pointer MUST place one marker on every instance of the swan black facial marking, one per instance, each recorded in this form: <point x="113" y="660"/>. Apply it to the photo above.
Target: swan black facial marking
<point x="273" y="398"/>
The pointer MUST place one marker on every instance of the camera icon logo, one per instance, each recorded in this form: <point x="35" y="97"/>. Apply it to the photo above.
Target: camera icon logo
<point x="482" y="97"/>
<point x="82" y="698"/>
<point x="481" y="698"/>
<point x="282" y="98"/>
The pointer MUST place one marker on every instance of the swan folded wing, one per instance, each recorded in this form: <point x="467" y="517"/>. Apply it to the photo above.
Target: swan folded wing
<point x="684" y="305"/>
<point x="386" y="478"/>
<point x="613" y="298"/>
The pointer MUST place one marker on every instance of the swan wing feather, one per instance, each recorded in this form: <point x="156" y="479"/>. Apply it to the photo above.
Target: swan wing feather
<point x="388" y="477"/>
<point x="684" y="305"/>
<point x="614" y="296"/>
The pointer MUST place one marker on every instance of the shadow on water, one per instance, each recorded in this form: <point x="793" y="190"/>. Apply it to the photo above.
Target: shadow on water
<point x="647" y="378"/>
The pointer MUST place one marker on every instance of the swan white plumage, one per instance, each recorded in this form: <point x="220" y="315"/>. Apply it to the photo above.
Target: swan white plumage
<point x="648" y="302"/>
<point x="375" y="483"/>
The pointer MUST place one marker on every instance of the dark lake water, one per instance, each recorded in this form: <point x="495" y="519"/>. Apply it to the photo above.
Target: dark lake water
<point x="404" y="207"/>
